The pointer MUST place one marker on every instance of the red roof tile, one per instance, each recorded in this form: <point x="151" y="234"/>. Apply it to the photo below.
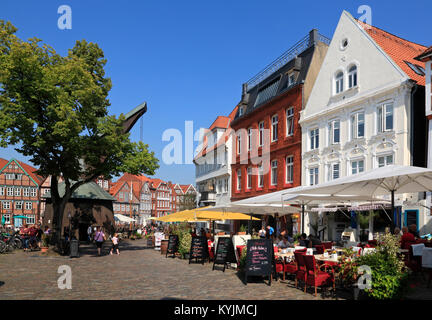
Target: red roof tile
<point x="399" y="50"/>
<point x="3" y="162"/>
<point x="222" y="140"/>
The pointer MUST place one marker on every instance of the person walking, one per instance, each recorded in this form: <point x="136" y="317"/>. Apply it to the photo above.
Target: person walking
<point x="115" y="244"/>
<point x="89" y="233"/>
<point x="99" y="238"/>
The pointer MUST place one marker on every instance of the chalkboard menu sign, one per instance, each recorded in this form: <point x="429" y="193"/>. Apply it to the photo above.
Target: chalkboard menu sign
<point x="259" y="258"/>
<point x="199" y="249"/>
<point x="172" y="245"/>
<point x="224" y="252"/>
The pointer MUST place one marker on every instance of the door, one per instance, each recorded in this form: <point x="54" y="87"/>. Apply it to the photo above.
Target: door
<point x="411" y="217"/>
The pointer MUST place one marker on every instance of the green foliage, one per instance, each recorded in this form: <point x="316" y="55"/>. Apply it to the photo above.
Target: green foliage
<point x="296" y="237"/>
<point x="389" y="281"/>
<point x="182" y="230"/>
<point x="243" y="228"/>
<point x="45" y="239"/>
<point x="54" y="109"/>
<point x="242" y="259"/>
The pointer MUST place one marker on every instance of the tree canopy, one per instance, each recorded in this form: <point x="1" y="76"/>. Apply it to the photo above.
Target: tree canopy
<point x="54" y="110"/>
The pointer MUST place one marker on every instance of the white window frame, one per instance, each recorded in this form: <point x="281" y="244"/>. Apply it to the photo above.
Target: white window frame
<point x="261" y="133"/>
<point x="382" y="117"/>
<point x="357" y="166"/>
<point x="331" y="171"/>
<point x="289" y="169"/>
<point x="9" y="191"/>
<point x="26" y="191"/>
<point x="249" y="178"/>
<point x="7" y="218"/>
<point x="291" y="79"/>
<point x="17" y="192"/>
<point x="274" y="127"/>
<point x="339" y="82"/>
<point x="313" y="175"/>
<point x="355" y="125"/>
<point x="2" y="191"/>
<point x="273" y="173"/>
<point x="260" y="176"/>
<point x="238" y="176"/>
<point x="31" y="219"/>
<point x="239" y="143"/>
<point x="28" y="205"/>
<point x="290" y="121"/>
<point x="6" y="205"/>
<point x="18" y="205"/>
<point x="352" y="76"/>
<point x="385" y="157"/>
<point x="332" y="130"/>
<point x="314" y="138"/>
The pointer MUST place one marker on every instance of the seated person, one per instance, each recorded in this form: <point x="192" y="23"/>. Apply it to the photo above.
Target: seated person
<point x="413" y="230"/>
<point x="262" y="233"/>
<point x="284" y="243"/>
<point x="315" y="241"/>
<point x="406" y="238"/>
<point x="305" y="242"/>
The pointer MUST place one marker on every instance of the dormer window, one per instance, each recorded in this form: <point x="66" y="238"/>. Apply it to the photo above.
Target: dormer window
<point x="240" y="111"/>
<point x="291" y="79"/>
<point x="339" y="82"/>
<point x="352" y="77"/>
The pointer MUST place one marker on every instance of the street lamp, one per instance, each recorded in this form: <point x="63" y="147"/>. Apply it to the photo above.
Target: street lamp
<point x="70" y="217"/>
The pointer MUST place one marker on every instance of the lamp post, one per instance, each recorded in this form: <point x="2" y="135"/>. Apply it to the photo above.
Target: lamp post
<point x="70" y="217"/>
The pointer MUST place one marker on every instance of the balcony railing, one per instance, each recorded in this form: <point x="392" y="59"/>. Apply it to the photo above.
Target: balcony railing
<point x="287" y="56"/>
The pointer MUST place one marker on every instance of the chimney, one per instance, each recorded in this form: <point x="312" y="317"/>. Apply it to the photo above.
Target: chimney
<point x="245" y="95"/>
<point x="313" y="37"/>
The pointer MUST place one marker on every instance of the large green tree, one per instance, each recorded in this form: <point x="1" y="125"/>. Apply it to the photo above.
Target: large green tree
<point x="54" y="109"/>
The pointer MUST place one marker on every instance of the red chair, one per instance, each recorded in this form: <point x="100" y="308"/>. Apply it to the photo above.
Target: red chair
<point x="327" y="245"/>
<point x="280" y="267"/>
<point x="414" y="262"/>
<point x="319" y="249"/>
<point x="301" y="251"/>
<point x="372" y="243"/>
<point x="301" y="267"/>
<point x="316" y="277"/>
<point x="290" y="268"/>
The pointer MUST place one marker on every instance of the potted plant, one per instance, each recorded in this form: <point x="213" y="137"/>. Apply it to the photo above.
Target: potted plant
<point x="185" y="239"/>
<point x="242" y="230"/>
<point x="45" y="241"/>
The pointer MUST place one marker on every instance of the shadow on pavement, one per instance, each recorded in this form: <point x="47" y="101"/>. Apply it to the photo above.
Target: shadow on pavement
<point x="1" y="283"/>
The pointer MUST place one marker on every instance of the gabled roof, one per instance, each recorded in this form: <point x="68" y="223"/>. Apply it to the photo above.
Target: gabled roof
<point x="399" y="50"/>
<point x="185" y="187"/>
<point x="222" y="140"/>
<point x="90" y="190"/>
<point x="28" y="169"/>
<point x="220" y="122"/>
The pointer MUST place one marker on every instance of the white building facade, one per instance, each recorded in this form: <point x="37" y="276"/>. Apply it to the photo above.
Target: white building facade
<point x="359" y="115"/>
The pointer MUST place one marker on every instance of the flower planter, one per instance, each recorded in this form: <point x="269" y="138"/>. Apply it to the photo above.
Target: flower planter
<point x="44" y="249"/>
<point x="241" y="233"/>
<point x="186" y="256"/>
<point x="164" y="246"/>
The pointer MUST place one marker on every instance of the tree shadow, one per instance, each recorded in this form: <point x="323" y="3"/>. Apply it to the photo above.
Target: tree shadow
<point x="2" y="283"/>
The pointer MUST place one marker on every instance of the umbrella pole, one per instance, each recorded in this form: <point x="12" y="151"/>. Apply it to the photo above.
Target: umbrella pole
<point x="392" y="225"/>
<point x="302" y="219"/>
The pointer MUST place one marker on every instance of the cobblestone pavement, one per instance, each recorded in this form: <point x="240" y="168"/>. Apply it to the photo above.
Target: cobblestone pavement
<point x="139" y="272"/>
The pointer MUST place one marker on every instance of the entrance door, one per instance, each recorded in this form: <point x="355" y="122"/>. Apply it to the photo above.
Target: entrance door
<point x="411" y="217"/>
<point x="82" y="229"/>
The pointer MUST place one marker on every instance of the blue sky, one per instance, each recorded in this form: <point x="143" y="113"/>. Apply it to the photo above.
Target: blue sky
<point x="188" y="59"/>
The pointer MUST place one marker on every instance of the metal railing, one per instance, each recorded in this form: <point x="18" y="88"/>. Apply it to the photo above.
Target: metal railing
<point x="287" y="56"/>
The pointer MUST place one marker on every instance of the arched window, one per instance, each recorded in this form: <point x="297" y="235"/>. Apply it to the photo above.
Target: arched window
<point x="339" y="82"/>
<point x="352" y="77"/>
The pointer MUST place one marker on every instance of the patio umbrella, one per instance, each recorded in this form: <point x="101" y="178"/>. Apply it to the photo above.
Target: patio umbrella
<point x="20" y="217"/>
<point x="181" y="216"/>
<point x="123" y="218"/>
<point x="3" y="220"/>
<point x="392" y="179"/>
<point x="221" y="215"/>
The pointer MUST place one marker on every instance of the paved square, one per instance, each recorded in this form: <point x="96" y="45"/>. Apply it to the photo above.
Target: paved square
<point x="139" y="272"/>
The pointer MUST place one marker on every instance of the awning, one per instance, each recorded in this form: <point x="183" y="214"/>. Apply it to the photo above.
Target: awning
<point x="123" y="218"/>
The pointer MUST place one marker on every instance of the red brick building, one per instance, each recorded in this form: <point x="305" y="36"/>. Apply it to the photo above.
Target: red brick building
<point x="267" y="119"/>
<point x="19" y="193"/>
